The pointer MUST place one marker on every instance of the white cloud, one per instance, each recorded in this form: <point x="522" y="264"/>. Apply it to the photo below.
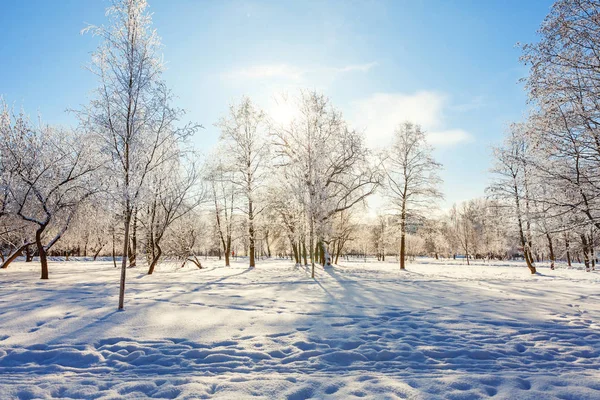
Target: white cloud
<point x="379" y="114"/>
<point x="448" y="137"/>
<point x="357" y="67"/>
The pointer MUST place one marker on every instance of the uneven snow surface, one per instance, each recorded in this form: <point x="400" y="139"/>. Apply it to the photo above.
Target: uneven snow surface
<point x="359" y="330"/>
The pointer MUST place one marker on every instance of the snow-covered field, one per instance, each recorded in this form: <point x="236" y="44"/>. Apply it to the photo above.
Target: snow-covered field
<point x="358" y="330"/>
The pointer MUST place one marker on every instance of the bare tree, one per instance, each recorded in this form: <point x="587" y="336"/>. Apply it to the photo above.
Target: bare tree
<point x="327" y="164"/>
<point x="224" y="198"/>
<point x="176" y="195"/>
<point x="243" y="139"/>
<point x="412" y="180"/>
<point x="511" y="183"/>
<point x="131" y="112"/>
<point x="51" y="175"/>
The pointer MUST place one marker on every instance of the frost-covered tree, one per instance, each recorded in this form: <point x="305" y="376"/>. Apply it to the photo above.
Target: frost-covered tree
<point x="412" y="180"/>
<point x="243" y="137"/>
<point x="175" y="194"/>
<point x="512" y="173"/>
<point x="330" y="164"/>
<point x="564" y="87"/>
<point x="51" y="175"/>
<point x="224" y="196"/>
<point x="131" y="113"/>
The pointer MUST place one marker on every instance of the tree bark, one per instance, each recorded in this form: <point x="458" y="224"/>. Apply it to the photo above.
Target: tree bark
<point x="567" y="250"/>
<point x="251" y="233"/>
<point x="42" y="251"/>
<point x="585" y="250"/>
<point x="551" y="250"/>
<point x="156" y="258"/>
<point x="304" y="252"/>
<point x="133" y="249"/>
<point x="524" y="243"/>
<point x="268" y="244"/>
<point x="28" y="254"/>
<point x="113" y="248"/>
<point x="13" y="256"/>
<point x="295" y="250"/>
<point x="402" y="239"/>
<point x="227" y="251"/>
<point x="591" y="248"/>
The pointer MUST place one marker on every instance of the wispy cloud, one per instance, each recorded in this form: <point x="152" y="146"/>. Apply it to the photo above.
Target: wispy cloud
<point x="380" y="113"/>
<point x="357" y="67"/>
<point x="448" y="137"/>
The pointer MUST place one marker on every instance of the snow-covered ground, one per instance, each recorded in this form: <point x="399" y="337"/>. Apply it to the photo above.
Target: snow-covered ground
<point x="359" y="330"/>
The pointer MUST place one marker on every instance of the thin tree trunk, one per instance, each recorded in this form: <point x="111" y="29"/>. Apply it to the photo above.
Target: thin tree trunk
<point x="402" y="240"/>
<point x="96" y="254"/>
<point x="133" y="250"/>
<point x="268" y="244"/>
<point x="113" y="248"/>
<point x="156" y="258"/>
<point x="591" y="248"/>
<point x="304" y="251"/>
<point x="295" y="250"/>
<point x="567" y="250"/>
<point x="311" y="246"/>
<point x="127" y="222"/>
<point x="551" y="249"/>
<point x="251" y="233"/>
<point x="28" y="254"/>
<point x="227" y="251"/>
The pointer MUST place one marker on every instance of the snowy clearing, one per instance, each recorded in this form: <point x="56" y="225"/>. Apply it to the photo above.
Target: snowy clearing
<point x="359" y="330"/>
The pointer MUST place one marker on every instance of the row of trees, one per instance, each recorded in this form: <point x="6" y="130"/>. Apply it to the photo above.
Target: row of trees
<point x="127" y="182"/>
<point x="127" y="173"/>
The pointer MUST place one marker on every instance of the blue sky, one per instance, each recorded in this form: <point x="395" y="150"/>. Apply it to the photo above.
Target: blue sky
<point x="450" y="65"/>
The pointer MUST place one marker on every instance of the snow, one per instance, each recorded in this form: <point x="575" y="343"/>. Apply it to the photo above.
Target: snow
<point x="439" y="330"/>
